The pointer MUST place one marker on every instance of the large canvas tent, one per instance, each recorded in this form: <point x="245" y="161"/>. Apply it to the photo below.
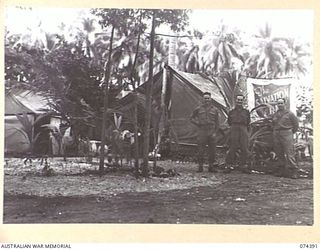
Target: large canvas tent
<point x="29" y="104"/>
<point x="175" y="95"/>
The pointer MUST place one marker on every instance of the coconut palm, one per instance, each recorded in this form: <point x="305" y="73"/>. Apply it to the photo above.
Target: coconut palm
<point x="222" y="55"/>
<point x="48" y="66"/>
<point x="211" y="54"/>
<point x="299" y="58"/>
<point x="273" y="57"/>
<point x="27" y="129"/>
<point x="88" y="28"/>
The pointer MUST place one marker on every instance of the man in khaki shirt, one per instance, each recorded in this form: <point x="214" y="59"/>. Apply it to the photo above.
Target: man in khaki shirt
<point x="206" y="118"/>
<point x="239" y="122"/>
<point x="285" y="124"/>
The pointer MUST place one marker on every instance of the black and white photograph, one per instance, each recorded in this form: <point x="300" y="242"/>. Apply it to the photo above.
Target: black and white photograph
<point x="158" y="116"/>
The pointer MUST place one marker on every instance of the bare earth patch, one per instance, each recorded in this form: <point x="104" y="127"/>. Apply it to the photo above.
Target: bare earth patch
<point x="72" y="195"/>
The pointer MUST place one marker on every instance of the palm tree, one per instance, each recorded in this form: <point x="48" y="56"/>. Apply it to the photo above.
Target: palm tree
<point x="210" y="54"/>
<point x="273" y="57"/>
<point x="88" y="28"/>
<point x="298" y="60"/>
<point x="27" y="129"/>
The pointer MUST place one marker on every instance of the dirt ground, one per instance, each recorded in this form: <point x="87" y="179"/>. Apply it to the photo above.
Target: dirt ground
<point x="74" y="195"/>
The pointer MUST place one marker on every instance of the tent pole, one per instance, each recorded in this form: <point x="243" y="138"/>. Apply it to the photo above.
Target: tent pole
<point x="149" y="89"/>
<point x="162" y="113"/>
<point x="163" y="105"/>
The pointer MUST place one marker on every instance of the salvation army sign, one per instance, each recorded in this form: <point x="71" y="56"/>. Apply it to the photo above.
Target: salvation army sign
<point x="267" y="91"/>
<point x="271" y="93"/>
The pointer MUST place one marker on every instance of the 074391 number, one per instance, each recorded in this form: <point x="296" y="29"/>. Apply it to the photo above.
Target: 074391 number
<point x="309" y="246"/>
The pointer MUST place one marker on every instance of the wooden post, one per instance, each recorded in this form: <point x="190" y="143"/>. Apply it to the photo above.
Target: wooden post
<point x="149" y="87"/>
<point x="162" y="113"/>
<point x="107" y="72"/>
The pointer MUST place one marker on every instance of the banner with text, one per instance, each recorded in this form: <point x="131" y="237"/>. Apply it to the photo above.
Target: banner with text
<point x="267" y="91"/>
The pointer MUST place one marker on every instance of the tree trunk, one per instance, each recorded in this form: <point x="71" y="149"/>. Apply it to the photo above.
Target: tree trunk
<point x="88" y="46"/>
<point x="136" y="54"/>
<point x="107" y="71"/>
<point x="145" y="167"/>
<point x="136" y="142"/>
<point x="172" y="51"/>
<point x="162" y="122"/>
<point x="135" y="105"/>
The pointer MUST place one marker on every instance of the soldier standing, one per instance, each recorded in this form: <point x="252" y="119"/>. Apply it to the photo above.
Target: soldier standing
<point x="285" y="124"/>
<point x="206" y="118"/>
<point x="239" y="121"/>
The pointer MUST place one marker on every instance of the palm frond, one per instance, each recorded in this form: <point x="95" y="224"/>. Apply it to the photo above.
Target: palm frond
<point x="27" y="125"/>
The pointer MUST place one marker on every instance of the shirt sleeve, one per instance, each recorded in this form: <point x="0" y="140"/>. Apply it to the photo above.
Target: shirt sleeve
<point x="273" y="119"/>
<point x="194" y="116"/>
<point x="229" y="117"/>
<point x="295" y="122"/>
<point x="194" y="113"/>
<point x="248" y="119"/>
<point x="217" y="120"/>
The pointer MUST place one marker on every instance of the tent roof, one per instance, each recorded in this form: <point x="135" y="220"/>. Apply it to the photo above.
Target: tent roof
<point x="195" y="81"/>
<point x="126" y="104"/>
<point x="24" y="101"/>
<point x="203" y="84"/>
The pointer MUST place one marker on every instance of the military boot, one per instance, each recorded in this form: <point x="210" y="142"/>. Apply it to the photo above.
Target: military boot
<point x="228" y="168"/>
<point x="290" y="173"/>
<point x="245" y="169"/>
<point x="212" y="168"/>
<point x="200" y="169"/>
